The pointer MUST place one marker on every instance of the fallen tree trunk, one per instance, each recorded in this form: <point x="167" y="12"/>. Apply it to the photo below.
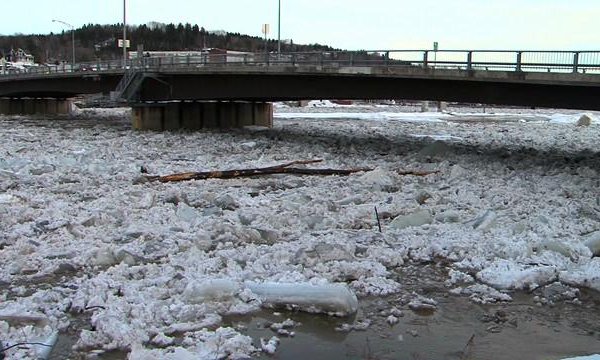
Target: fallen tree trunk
<point x="278" y="169"/>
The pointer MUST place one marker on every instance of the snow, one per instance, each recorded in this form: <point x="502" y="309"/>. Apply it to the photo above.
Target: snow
<point x="512" y="205"/>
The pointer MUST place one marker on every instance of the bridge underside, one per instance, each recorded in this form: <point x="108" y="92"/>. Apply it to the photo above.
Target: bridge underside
<point x="266" y="87"/>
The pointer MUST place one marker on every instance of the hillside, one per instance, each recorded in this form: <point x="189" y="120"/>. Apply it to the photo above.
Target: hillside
<point x="100" y="41"/>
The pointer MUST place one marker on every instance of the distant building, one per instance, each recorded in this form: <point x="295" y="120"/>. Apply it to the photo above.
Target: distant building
<point x="19" y="56"/>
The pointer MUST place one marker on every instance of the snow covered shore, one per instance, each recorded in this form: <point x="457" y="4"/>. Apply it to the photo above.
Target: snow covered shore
<point x="512" y="205"/>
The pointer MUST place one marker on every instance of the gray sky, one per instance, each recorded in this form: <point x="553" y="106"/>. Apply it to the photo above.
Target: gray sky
<point x="349" y="24"/>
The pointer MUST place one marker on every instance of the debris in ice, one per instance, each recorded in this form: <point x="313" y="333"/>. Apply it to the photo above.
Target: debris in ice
<point x="269" y="346"/>
<point x="336" y="299"/>
<point x="484" y="222"/>
<point x="505" y="274"/>
<point x="198" y="292"/>
<point x="418" y="218"/>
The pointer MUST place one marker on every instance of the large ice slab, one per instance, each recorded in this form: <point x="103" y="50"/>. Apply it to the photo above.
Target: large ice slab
<point x="336" y="299"/>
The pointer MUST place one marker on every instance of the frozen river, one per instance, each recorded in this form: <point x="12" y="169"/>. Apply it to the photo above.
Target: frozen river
<point x="496" y="245"/>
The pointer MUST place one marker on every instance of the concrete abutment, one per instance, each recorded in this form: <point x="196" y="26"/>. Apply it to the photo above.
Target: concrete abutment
<point x="199" y="115"/>
<point x="27" y="106"/>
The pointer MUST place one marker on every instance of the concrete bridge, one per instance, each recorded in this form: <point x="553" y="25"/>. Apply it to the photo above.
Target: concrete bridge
<point x="236" y="90"/>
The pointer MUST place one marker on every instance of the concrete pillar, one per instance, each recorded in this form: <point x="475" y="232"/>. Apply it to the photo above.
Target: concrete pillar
<point x="201" y="115"/>
<point x="10" y="106"/>
<point x="442" y="106"/>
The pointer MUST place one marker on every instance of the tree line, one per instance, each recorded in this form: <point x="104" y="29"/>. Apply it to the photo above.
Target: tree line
<point x="99" y="42"/>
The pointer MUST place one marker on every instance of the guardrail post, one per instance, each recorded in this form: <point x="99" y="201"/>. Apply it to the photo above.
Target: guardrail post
<point x="576" y="62"/>
<point x="351" y="59"/>
<point x="519" y="60"/>
<point x="425" y="61"/>
<point x="387" y="58"/>
<point x="470" y="60"/>
<point x="321" y="58"/>
<point x="293" y="59"/>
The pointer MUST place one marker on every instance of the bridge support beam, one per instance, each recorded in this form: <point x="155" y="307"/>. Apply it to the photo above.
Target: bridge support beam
<point x="199" y="115"/>
<point x="10" y="106"/>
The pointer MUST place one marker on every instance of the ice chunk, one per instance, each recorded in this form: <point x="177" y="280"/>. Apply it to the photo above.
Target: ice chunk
<point x="448" y="217"/>
<point x="44" y="348"/>
<point x="214" y="289"/>
<point x="592" y="241"/>
<point x="504" y="274"/>
<point x="482" y="294"/>
<point x="419" y="218"/>
<point x="187" y="213"/>
<point x="336" y="299"/>
<point x="585" y="275"/>
<point x="269" y="346"/>
<point x="484" y="222"/>
<point x="378" y="179"/>
<point x="591" y="357"/>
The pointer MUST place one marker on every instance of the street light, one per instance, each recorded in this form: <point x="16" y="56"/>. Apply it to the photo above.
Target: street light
<point x="279" y="32"/>
<point x="72" y="36"/>
<point x="124" y="34"/>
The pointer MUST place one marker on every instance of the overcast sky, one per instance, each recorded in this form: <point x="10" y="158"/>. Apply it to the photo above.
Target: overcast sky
<point x="348" y="24"/>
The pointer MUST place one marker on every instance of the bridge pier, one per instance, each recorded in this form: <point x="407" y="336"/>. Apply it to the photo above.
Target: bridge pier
<point x="199" y="115"/>
<point x="19" y="106"/>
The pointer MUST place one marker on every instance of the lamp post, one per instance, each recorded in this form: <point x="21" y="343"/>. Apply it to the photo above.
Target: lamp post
<point x="279" y="32"/>
<point x="124" y="34"/>
<point x="72" y="39"/>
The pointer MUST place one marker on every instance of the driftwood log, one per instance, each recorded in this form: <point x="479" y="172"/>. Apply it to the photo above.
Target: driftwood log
<point x="286" y="168"/>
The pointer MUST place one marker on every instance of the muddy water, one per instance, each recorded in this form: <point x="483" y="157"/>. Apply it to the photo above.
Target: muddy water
<point x="459" y="329"/>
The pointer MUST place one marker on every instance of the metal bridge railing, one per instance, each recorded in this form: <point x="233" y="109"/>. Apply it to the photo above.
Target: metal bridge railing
<point x="583" y="62"/>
